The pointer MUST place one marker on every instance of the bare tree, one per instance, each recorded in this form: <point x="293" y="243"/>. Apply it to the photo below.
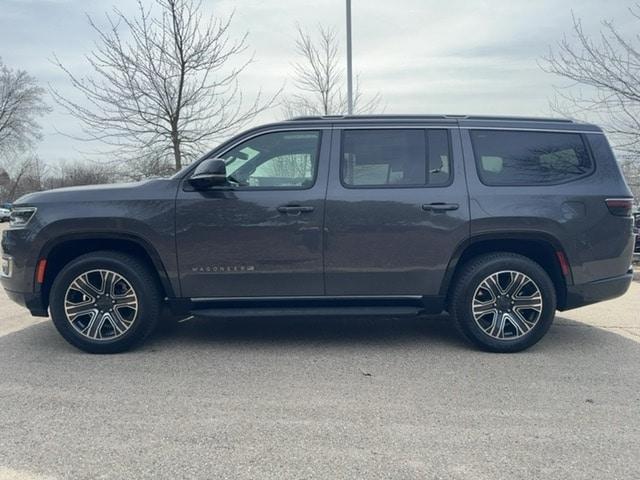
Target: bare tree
<point x="319" y="79"/>
<point x="24" y="174"/>
<point x="154" y="163"/>
<point x="605" y="84"/>
<point x="78" y="173"/>
<point x="170" y="85"/>
<point x="29" y="174"/>
<point x="21" y="104"/>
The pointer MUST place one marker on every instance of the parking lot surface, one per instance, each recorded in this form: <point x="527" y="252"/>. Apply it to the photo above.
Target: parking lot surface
<point x="324" y="398"/>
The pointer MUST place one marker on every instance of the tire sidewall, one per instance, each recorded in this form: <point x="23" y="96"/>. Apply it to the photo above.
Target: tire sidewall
<point x="464" y="310"/>
<point x="147" y="302"/>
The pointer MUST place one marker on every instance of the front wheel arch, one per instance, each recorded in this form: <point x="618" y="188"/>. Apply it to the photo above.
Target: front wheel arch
<point x="62" y="251"/>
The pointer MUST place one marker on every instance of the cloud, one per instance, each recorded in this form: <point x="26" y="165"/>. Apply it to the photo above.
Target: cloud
<point x="428" y="56"/>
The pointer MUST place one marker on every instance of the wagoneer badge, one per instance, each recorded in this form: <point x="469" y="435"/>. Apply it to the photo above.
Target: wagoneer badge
<point x="223" y="269"/>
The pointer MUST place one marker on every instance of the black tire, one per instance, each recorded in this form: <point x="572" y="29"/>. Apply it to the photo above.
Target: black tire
<point x="136" y="274"/>
<point x="468" y="286"/>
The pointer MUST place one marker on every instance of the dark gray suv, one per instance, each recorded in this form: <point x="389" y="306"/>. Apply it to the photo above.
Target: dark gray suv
<point x="499" y="221"/>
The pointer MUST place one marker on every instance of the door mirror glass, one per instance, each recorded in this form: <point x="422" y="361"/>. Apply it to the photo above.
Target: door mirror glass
<point x="210" y="173"/>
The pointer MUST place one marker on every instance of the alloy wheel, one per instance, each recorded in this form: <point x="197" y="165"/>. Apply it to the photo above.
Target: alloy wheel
<point x="101" y="305"/>
<point x="507" y="305"/>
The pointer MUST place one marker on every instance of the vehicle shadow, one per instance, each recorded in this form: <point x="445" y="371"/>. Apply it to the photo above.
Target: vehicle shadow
<point x="328" y="330"/>
<point x="433" y="331"/>
<point x="423" y="332"/>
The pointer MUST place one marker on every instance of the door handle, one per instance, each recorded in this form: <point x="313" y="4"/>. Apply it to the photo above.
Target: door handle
<point x="295" y="209"/>
<point x="440" y="207"/>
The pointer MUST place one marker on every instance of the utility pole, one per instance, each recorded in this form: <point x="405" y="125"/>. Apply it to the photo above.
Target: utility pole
<point x="349" y="68"/>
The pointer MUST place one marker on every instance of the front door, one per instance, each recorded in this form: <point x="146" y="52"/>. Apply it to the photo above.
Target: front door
<point x="396" y="209"/>
<point x="262" y="235"/>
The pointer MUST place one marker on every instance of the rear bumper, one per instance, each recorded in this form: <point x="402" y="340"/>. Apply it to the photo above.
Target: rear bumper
<point x="598" y="291"/>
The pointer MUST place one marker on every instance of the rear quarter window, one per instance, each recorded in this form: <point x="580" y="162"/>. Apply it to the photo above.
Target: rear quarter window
<point x="529" y="158"/>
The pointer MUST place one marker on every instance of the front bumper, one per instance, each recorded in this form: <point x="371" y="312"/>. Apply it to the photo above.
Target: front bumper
<point x="33" y="301"/>
<point x="13" y="277"/>
<point x="17" y="275"/>
<point x="598" y="291"/>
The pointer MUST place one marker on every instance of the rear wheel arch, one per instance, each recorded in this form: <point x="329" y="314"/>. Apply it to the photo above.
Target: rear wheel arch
<point x="538" y="247"/>
<point x="63" y="250"/>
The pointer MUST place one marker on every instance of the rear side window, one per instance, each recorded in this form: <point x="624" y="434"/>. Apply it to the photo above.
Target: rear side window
<point x="529" y="158"/>
<point x="395" y="158"/>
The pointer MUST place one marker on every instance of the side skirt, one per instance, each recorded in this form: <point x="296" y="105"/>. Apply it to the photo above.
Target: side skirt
<point x="301" y="306"/>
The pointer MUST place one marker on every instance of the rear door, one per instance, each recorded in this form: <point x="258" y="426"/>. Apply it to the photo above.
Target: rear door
<point x="396" y="209"/>
<point x="263" y="236"/>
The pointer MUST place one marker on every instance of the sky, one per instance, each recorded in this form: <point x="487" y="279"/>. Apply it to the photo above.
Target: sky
<point x="422" y="56"/>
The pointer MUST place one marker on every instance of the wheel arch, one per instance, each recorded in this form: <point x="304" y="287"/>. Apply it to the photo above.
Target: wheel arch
<point x="541" y="248"/>
<point x="62" y="250"/>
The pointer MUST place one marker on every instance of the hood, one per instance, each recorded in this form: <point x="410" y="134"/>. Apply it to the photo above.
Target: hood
<point x="96" y="192"/>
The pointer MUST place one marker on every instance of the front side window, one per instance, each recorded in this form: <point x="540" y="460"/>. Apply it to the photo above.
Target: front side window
<point x="275" y="160"/>
<point x="387" y="158"/>
<point x="529" y="158"/>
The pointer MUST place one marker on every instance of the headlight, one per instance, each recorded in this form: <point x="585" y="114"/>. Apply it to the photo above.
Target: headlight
<point x="21" y="216"/>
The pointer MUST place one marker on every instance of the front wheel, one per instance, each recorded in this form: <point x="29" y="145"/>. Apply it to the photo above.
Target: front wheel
<point x="503" y="302"/>
<point x="105" y="302"/>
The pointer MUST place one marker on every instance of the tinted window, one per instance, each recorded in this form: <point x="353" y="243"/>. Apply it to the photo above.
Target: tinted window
<point x="411" y="157"/>
<point x="275" y="160"/>
<point x="529" y="158"/>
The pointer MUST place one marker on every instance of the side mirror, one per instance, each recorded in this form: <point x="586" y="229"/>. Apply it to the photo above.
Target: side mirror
<point x="210" y="173"/>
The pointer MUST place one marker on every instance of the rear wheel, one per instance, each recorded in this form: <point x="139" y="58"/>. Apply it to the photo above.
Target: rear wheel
<point x="105" y="302"/>
<point x="503" y="302"/>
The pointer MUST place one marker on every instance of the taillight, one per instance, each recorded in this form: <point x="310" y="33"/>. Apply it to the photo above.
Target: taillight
<point x="620" y="207"/>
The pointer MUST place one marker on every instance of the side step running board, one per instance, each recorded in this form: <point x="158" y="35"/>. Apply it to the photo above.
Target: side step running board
<point x="305" y="311"/>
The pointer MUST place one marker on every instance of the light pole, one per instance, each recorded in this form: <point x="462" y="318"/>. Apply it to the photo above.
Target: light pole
<point x="349" y="69"/>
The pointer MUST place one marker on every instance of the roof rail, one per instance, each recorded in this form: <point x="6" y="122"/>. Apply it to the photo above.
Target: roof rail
<point x="431" y="117"/>
<point x="518" y="119"/>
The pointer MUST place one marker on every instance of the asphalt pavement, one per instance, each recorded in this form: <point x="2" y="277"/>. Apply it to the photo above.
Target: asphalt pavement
<point x="325" y="398"/>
